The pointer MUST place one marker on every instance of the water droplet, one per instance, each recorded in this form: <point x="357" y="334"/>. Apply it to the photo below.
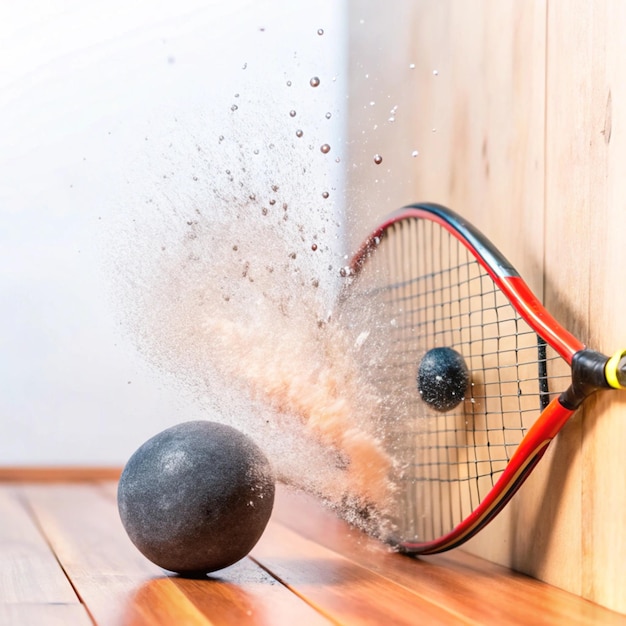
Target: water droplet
<point x="236" y="95"/>
<point x="314" y="82"/>
<point x="434" y="130"/>
<point x="314" y="247"/>
<point x="411" y="66"/>
<point x="325" y="194"/>
<point x="274" y="187"/>
<point x="325" y="148"/>
<point x="345" y="271"/>
<point x="256" y="151"/>
<point x="391" y="119"/>
<point x="221" y="138"/>
<point x="372" y="103"/>
<point x="337" y="160"/>
<point x="272" y="202"/>
<point x="264" y="211"/>
<point x="292" y="113"/>
<point x="414" y="153"/>
<point x="435" y="72"/>
<point x="378" y="159"/>
<point x="288" y="83"/>
<point x="328" y="115"/>
<point x="285" y="206"/>
<point x="320" y="31"/>
<point x="299" y="133"/>
<point x="315" y="282"/>
<point x="234" y="107"/>
<point x="244" y="66"/>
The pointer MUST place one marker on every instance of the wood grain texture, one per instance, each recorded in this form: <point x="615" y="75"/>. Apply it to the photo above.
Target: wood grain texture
<point x="585" y="189"/>
<point x="120" y="586"/>
<point x="517" y="110"/>
<point x="84" y="530"/>
<point x="472" y="587"/>
<point x="309" y="568"/>
<point x="340" y="588"/>
<point x="29" y="573"/>
<point x="475" y="107"/>
<point x="48" y="614"/>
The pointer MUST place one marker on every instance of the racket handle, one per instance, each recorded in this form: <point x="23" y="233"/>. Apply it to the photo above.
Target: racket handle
<point x="615" y="370"/>
<point x="591" y="371"/>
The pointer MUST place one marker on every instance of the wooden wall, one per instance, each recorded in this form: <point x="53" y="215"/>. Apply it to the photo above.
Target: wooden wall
<point x="518" y="111"/>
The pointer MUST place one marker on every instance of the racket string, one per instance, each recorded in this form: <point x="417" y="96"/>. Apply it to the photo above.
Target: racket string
<point x="427" y="290"/>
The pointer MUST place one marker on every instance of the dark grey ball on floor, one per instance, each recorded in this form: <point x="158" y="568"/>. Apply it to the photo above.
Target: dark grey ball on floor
<point x="196" y="497"/>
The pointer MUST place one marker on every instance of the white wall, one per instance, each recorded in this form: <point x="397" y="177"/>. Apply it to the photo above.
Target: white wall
<point x="90" y="98"/>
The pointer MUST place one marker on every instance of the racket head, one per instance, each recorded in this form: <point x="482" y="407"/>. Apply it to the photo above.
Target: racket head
<point x="427" y="279"/>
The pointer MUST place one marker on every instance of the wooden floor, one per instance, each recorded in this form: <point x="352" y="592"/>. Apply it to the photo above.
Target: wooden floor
<point x="65" y="559"/>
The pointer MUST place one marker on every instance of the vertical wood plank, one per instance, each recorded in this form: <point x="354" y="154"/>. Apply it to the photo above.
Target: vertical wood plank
<point x="468" y="80"/>
<point x="473" y="106"/>
<point x="587" y="221"/>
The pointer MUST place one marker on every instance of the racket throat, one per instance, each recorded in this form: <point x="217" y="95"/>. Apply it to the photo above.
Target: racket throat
<point x="588" y="375"/>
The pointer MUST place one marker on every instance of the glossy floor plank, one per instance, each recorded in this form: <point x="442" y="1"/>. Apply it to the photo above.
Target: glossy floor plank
<point x="67" y="560"/>
<point x="29" y="572"/>
<point x="472" y="587"/>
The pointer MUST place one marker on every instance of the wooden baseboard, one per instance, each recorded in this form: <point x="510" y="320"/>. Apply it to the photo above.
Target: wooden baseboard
<point x="57" y="474"/>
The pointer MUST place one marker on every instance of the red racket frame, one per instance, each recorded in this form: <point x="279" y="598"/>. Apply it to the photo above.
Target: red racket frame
<point x="553" y="417"/>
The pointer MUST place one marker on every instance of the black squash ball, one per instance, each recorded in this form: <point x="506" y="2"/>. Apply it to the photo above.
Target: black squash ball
<point x="442" y="378"/>
<point x="196" y="497"/>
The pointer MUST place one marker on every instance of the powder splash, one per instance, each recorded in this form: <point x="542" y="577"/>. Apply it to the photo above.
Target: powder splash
<point x="229" y="287"/>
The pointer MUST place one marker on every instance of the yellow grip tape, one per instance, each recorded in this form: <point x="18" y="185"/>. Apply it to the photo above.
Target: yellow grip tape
<point x="612" y="368"/>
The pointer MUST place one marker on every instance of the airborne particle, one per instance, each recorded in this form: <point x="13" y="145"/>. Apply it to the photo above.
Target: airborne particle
<point x="325" y="148"/>
<point x="314" y="82"/>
